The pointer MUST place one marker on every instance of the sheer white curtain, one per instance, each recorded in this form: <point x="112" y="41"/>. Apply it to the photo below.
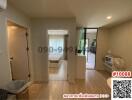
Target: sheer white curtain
<point x="56" y="46"/>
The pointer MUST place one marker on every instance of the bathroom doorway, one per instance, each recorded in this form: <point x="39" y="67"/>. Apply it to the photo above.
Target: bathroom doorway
<point x="57" y="56"/>
<point x="18" y="51"/>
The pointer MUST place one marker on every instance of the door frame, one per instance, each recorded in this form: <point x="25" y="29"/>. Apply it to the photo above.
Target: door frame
<point x="64" y="48"/>
<point x="85" y="32"/>
<point x="27" y="48"/>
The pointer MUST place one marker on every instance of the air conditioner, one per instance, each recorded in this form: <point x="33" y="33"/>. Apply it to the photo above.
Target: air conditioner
<point x="3" y="4"/>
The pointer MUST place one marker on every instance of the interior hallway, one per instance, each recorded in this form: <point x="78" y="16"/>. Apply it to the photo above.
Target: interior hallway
<point x="54" y="90"/>
<point x="58" y="72"/>
<point x="90" y="61"/>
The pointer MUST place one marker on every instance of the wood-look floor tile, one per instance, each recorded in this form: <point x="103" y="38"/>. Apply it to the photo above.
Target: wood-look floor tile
<point x="95" y="82"/>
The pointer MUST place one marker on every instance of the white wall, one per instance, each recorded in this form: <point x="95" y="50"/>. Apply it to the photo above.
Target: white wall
<point x="118" y="39"/>
<point x="121" y="42"/>
<point x="102" y="47"/>
<point x="5" y="73"/>
<point x="40" y="38"/>
<point x="17" y="17"/>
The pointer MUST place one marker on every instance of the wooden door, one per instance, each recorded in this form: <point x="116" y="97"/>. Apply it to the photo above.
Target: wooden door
<point x="18" y="53"/>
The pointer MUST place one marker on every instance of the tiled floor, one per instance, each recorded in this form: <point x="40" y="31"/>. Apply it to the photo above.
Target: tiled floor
<point x="90" y="61"/>
<point x="59" y="72"/>
<point x="95" y="82"/>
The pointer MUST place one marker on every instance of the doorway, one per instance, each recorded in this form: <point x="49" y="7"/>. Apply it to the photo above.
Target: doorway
<point x="57" y="56"/>
<point x="18" y="51"/>
<point x="90" y="47"/>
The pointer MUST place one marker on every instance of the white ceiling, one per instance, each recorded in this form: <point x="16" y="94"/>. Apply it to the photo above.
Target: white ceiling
<point x="88" y="13"/>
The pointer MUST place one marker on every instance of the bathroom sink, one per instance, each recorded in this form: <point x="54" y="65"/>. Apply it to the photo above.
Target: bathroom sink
<point x="17" y="86"/>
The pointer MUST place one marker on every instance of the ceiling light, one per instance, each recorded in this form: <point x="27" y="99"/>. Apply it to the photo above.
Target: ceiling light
<point x="109" y="17"/>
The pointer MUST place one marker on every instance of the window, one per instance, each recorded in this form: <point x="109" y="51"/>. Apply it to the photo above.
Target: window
<point x="56" y="44"/>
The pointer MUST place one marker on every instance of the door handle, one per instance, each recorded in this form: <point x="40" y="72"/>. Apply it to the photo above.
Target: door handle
<point x="11" y="58"/>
